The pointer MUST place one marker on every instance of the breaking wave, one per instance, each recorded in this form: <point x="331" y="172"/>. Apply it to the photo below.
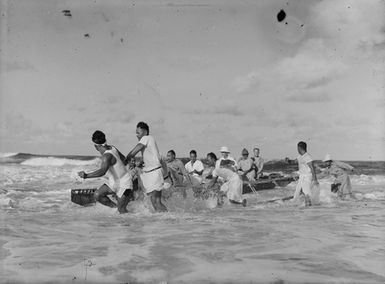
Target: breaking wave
<point x="7" y="155"/>
<point x="57" y="162"/>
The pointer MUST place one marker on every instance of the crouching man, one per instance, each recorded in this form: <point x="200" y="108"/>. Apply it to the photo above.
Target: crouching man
<point x="233" y="185"/>
<point x="119" y="182"/>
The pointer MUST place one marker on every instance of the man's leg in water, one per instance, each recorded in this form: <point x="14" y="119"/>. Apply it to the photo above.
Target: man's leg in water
<point x="156" y="201"/>
<point x="101" y="196"/>
<point x="297" y="192"/>
<point x="234" y="192"/>
<point x="307" y="200"/>
<point x="307" y="191"/>
<point x="124" y="200"/>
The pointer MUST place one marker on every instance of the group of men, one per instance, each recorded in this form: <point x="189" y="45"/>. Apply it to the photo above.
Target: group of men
<point x="156" y="173"/>
<point x="308" y="180"/>
<point x="120" y="177"/>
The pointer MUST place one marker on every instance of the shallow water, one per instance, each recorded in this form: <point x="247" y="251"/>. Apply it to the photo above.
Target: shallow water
<point x="46" y="238"/>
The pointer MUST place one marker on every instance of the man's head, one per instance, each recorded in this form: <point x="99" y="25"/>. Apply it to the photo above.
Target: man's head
<point x="245" y="153"/>
<point x="142" y="129"/>
<point x="193" y="155"/>
<point x="327" y="160"/>
<point x="99" y="139"/>
<point x="225" y="152"/>
<point x="256" y="152"/>
<point x="171" y="155"/>
<point x="301" y="147"/>
<point x="211" y="158"/>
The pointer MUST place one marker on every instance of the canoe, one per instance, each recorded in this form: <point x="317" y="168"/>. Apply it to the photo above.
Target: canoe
<point x="84" y="197"/>
<point x="267" y="182"/>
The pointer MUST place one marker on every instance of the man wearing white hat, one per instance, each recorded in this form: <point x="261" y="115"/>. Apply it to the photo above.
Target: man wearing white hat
<point x="232" y="186"/>
<point x="226" y="161"/>
<point x="339" y="170"/>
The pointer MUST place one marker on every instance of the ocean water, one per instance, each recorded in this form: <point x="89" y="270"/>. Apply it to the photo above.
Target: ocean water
<point x="47" y="239"/>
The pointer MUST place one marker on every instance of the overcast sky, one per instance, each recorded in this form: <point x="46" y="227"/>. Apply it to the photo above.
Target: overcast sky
<point x="203" y="74"/>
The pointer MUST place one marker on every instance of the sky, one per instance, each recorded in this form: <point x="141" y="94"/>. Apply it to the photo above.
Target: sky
<point x="202" y="74"/>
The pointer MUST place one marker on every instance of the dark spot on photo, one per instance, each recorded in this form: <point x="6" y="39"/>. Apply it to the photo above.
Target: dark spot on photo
<point x="87" y="35"/>
<point x="67" y="13"/>
<point x="281" y="16"/>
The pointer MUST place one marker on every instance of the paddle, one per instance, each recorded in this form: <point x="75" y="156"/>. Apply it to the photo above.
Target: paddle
<point x="277" y="199"/>
<point x="251" y="187"/>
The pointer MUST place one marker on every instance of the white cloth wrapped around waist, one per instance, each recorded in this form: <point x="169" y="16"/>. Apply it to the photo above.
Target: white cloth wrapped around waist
<point x="119" y="185"/>
<point x="152" y="180"/>
<point x="233" y="188"/>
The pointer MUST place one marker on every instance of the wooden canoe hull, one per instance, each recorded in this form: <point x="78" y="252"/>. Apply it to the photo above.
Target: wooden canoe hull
<point x="266" y="183"/>
<point x="84" y="197"/>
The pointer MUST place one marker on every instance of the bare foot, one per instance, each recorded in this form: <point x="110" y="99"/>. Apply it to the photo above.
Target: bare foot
<point x="123" y="211"/>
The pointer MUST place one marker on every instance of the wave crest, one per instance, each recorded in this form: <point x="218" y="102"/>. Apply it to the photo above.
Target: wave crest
<point x="57" y="162"/>
<point x="7" y="155"/>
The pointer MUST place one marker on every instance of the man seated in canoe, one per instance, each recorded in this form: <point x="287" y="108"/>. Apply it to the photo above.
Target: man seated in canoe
<point x="194" y="168"/>
<point x="247" y="168"/>
<point x="226" y="160"/>
<point x="120" y="181"/>
<point x="258" y="163"/>
<point x="176" y="170"/>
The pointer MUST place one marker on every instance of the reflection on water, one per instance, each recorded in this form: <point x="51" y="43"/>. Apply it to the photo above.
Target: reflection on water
<point x="47" y="238"/>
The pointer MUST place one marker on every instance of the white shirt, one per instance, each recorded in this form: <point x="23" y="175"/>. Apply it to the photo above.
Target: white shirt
<point x="198" y="166"/>
<point x="258" y="161"/>
<point x="228" y="158"/>
<point x="117" y="174"/>
<point x="304" y="169"/>
<point x="224" y="173"/>
<point x="150" y="153"/>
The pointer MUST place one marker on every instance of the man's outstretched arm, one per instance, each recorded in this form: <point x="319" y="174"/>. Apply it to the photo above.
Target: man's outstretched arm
<point x="212" y="182"/>
<point x="106" y="163"/>
<point x="139" y="147"/>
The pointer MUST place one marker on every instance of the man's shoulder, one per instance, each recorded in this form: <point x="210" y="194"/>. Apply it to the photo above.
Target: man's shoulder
<point x="146" y="139"/>
<point x="107" y="156"/>
<point x="307" y="157"/>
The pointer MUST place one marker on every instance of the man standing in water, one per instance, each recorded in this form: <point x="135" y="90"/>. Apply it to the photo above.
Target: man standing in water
<point x="233" y="185"/>
<point x="340" y="171"/>
<point x="120" y="181"/>
<point x="152" y="175"/>
<point x="307" y="175"/>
